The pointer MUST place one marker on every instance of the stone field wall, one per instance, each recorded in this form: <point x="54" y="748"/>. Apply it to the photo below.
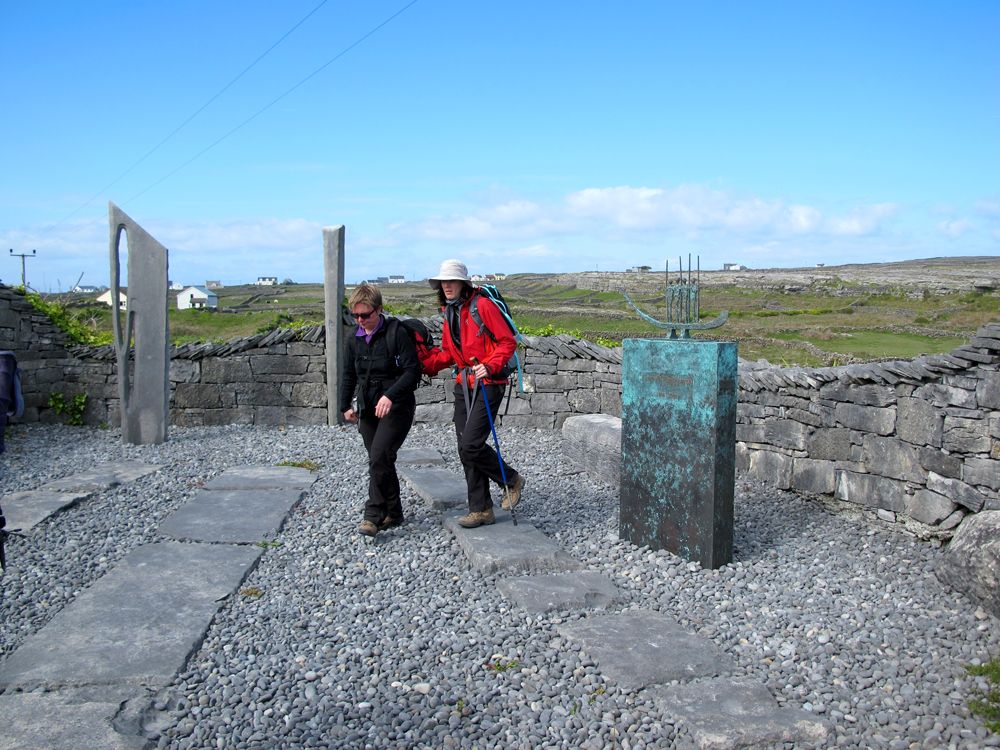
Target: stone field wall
<point x="917" y="439"/>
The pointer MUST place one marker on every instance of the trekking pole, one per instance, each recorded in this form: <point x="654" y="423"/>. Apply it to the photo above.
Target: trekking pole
<point x="496" y="441"/>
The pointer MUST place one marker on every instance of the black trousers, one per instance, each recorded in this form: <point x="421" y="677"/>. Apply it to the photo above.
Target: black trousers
<point x="479" y="459"/>
<point x="383" y="439"/>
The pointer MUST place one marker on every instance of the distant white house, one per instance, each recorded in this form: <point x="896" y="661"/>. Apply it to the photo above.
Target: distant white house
<point x="212" y="284"/>
<point x="266" y="281"/>
<point x="197" y="298"/>
<point x="733" y="267"/>
<point x="109" y="295"/>
<point x="87" y="289"/>
<point x="397" y="279"/>
<point x="175" y="286"/>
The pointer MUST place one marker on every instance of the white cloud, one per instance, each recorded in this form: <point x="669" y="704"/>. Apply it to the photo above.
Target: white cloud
<point x="686" y="208"/>
<point x="988" y="207"/>
<point x="234" y="251"/>
<point x="862" y="220"/>
<point x="954" y="227"/>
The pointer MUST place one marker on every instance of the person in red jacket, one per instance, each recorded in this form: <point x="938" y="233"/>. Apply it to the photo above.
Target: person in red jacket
<point x="478" y="357"/>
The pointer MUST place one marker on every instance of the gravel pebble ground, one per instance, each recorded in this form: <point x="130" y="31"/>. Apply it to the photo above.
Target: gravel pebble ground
<point x="400" y="645"/>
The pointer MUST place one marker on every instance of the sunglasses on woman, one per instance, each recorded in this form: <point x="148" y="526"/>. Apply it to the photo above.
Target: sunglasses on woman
<point x="363" y="316"/>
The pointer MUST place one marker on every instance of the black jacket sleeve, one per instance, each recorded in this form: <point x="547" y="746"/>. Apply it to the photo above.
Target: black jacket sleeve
<point x="350" y="379"/>
<point x="409" y="364"/>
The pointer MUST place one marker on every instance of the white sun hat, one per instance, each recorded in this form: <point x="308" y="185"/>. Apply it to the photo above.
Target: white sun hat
<point x="451" y="270"/>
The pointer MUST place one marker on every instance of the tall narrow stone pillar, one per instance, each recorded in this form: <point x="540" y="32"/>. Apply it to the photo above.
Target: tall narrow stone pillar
<point x="333" y="297"/>
<point x="679" y="447"/>
<point x="144" y="399"/>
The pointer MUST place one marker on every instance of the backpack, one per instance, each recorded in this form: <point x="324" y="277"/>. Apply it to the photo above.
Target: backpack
<point x="493" y="295"/>
<point x="417" y="330"/>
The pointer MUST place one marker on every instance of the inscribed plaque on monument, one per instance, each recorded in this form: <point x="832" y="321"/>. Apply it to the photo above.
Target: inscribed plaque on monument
<point x="679" y="447"/>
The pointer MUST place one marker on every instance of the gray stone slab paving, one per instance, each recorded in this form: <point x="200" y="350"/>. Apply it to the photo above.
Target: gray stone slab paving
<point x="585" y="589"/>
<point x="262" y="478"/>
<point x="735" y="713"/>
<point x="102" y="477"/>
<point x="29" y="721"/>
<point x="232" y="516"/>
<point x="504" y="547"/>
<point x="137" y="624"/>
<point x="439" y="487"/>
<point x="419" y="455"/>
<point x="25" y="510"/>
<point x="637" y="649"/>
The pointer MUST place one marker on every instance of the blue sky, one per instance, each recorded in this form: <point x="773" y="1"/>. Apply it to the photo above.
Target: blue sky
<point x="517" y="136"/>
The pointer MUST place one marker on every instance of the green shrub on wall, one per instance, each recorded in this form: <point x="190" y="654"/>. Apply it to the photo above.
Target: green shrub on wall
<point x="64" y="320"/>
<point x="74" y="408"/>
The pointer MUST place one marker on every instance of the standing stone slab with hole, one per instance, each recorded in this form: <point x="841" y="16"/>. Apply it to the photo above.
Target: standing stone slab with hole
<point x="679" y="447"/>
<point x="143" y="384"/>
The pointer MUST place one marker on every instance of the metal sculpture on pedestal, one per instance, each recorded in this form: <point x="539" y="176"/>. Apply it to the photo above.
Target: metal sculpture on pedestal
<point x="683" y="304"/>
<point x="679" y="433"/>
<point x="143" y="388"/>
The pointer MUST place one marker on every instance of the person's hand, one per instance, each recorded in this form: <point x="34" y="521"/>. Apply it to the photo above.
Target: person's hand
<point x="350" y="416"/>
<point x="382" y="407"/>
<point x="480" y="371"/>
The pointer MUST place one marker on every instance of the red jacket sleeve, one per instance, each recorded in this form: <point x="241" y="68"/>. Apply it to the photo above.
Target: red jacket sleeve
<point x="433" y="360"/>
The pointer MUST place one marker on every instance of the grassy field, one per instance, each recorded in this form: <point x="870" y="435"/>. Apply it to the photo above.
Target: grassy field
<point x="818" y="325"/>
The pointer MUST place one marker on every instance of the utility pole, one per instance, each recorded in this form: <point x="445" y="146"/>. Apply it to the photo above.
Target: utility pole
<point x="23" y="256"/>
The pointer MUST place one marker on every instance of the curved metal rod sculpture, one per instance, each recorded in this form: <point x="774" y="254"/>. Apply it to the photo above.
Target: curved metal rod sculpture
<point x="683" y="305"/>
<point x="715" y="322"/>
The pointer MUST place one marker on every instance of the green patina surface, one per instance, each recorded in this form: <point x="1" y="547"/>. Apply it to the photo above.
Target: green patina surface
<point x="679" y="447"/>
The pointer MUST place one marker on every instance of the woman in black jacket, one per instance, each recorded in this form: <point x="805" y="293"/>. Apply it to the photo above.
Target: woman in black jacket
<point x="382" y="371"/>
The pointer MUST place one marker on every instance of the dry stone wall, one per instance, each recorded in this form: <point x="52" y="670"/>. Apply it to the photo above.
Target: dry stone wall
<point x="918" y="439"/>
<point x="42" y="353"/>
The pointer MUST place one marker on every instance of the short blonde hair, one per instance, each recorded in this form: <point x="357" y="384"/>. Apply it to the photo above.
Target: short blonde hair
<point x="365" y="294"/>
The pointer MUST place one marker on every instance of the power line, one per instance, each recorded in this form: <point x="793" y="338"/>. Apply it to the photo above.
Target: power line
<point x="277" y="99"/>
<point x="197" y="112"/>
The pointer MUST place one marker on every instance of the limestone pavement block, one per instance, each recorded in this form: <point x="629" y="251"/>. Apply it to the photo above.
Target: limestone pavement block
<point x="640" y="648"/>
<point x="419" y="455"/>
<point x="262" y="477"/>
<point x="25" y="510"/>
<point x="137" y="624"/>
<point x="585" y="589"/>
<point x="728" y="713"/>
<point x="83" y="722"/>
<point x="439" y="487"/>
<point x="231" y="516"/>
<point x="102" y="477"/>
<point x="504" y="547"/>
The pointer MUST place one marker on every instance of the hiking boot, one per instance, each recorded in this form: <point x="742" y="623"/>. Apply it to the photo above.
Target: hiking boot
<point x="390" y="523"/>
<point x="513" y="494"/>
<point x="477" y="518"/>
<point x="368" y="528"/>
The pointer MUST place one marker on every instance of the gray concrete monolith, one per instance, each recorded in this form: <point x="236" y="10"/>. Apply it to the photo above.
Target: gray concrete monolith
<point x="333" y="297"/>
